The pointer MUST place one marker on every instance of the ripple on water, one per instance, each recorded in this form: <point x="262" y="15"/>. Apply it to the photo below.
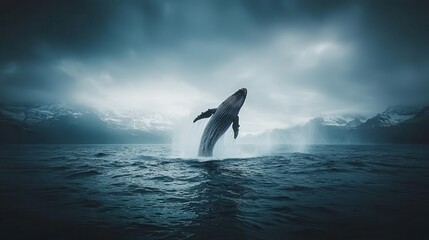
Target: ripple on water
<point x="146" y="195"/>
<point x="355" y="163"/>
<point x="121" y="175"/>
<point x="81" y="174"/>
<point x="101" y="154"/>
<point x="297" y="188"/>
<point x="145" y="190"/>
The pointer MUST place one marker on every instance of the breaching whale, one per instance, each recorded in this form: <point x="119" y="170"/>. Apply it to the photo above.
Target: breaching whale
<point x="221" y="118"/>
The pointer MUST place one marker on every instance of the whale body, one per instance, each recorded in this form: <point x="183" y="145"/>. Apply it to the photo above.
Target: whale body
<point x="221" y="119"/>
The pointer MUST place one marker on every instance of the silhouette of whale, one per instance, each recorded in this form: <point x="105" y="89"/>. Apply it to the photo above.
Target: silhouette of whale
<point x="221" y="118"/>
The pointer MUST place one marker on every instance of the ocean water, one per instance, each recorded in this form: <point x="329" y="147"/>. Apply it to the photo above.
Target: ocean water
<point x="145" y="192"/>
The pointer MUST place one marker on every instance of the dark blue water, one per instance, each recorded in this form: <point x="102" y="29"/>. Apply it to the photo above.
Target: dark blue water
<point x="140" y="192"/>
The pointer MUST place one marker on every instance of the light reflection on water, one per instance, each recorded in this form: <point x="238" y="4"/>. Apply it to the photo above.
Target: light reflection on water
<point x="140" y="190"/>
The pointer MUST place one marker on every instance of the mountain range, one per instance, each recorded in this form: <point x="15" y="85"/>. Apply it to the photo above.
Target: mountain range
<point x="61" y="123"/>
<point x="396" y="124"/>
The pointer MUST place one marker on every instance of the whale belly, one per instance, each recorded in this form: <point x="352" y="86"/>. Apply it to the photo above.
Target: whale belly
<point x="216" y="127"/>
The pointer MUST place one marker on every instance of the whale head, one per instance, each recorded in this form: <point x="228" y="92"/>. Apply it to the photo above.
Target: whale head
<point x="236" y="100"/>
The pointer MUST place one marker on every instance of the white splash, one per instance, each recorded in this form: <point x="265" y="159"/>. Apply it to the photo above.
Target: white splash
<point x="187" y="136"/>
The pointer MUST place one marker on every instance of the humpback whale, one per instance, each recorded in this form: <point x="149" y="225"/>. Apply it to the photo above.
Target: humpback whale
<point x="221" y="118"/>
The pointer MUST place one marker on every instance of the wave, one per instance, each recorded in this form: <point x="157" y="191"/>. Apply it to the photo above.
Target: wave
<point x="84" y="174"/>
<point x="101" y="154"/>
<point x="281" y="193"/>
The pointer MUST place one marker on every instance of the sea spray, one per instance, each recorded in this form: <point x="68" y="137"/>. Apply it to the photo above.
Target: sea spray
<point x="187" y="137"/>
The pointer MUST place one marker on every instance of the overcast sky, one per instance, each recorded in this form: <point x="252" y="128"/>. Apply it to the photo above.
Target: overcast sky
<point x="298" y="59"/>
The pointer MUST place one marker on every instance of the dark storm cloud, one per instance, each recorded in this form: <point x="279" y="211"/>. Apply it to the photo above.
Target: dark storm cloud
<point x="398" y="31"/>
<point x="36" y="33"/>
<point x="394" y="54"/>
<point x="68" y="27"/>
<point x="363" y="54"/>
<point x="85" y="27"/>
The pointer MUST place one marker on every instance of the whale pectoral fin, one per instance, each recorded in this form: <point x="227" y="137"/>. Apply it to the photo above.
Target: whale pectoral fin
<point x="235" y="127"/>
<point x="205" y="114"/>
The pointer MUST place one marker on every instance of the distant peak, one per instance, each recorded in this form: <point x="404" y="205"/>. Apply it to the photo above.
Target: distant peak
<point x="345" y="120"/>
<point x="402" y="110"/>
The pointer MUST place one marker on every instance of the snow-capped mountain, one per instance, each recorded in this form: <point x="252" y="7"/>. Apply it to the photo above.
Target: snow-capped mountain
<point x="392" y="116"/>
<point x="62" y="123"/>
<point x="344" y="121"/>
<point x="37" y="114"/>
<point x="396" y="124"/>
<point x="132" y="120"/>
<point x="135" y="120"/>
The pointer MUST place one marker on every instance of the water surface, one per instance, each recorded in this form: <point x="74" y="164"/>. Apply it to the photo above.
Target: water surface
<point x="141" y="192"/>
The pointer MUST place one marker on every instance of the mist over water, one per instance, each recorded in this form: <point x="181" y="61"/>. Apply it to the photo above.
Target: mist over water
<point x="187" y="136"/>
